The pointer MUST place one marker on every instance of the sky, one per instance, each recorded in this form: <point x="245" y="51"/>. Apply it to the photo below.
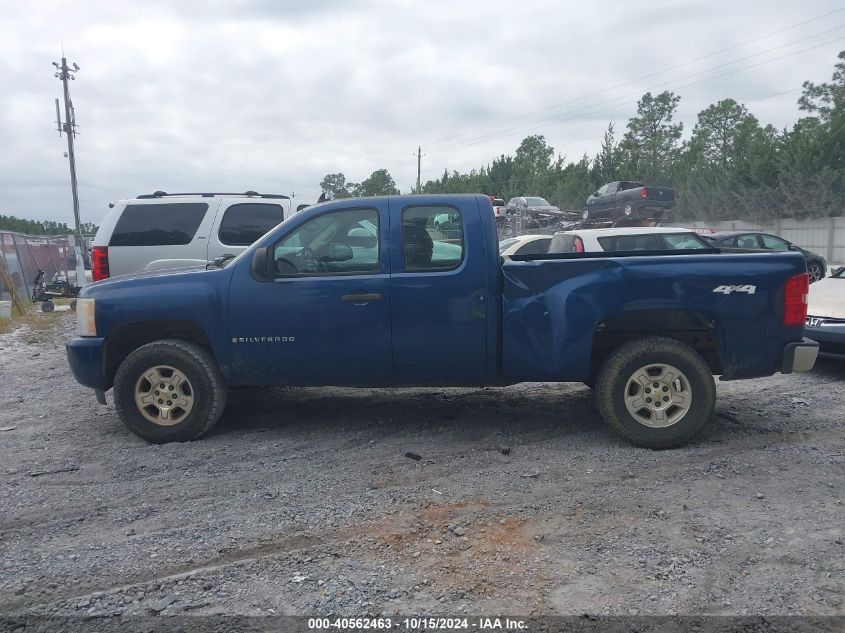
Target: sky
<point x="272" y="95"/>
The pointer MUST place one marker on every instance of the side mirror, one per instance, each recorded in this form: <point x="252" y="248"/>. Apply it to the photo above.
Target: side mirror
<point x="261" y="267"/>
<point x="595" y="194"/>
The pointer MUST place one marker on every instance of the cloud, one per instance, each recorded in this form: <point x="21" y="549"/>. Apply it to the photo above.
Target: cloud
<point x="271" y="95"/>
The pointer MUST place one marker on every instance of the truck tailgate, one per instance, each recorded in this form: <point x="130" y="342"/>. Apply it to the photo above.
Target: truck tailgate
<point x="660" y="194"/>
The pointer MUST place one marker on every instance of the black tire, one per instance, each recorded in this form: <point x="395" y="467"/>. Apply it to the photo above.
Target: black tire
<point x="206" y="384"/>
<point x="48" y="306"/>
<point x="624" y="363"/>
<point x="815" y="270"/>
<point x="73" y="304"/>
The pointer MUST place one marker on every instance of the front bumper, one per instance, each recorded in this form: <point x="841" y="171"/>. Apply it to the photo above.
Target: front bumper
<point x="85" y="357"/>
<point x="799" y="356"/>
<point x="830" y="335"/>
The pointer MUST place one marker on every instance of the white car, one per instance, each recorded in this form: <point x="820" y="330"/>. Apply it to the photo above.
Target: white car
<point x="160" y="230"/>
<point x="627" y="239"/>
<point x="525" y="245"/>
<point x="826" y="315"/>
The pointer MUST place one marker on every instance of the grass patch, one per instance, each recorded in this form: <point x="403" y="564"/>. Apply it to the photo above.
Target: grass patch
<point x="40" y="324"/>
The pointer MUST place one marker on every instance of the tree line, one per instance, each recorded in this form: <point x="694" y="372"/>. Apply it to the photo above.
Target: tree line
<point x="731" y="167"/>
<point x="42" y="227"/>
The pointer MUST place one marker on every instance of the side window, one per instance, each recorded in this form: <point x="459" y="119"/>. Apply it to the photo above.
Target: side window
<point x="146" y="224"/>
<point x="774" y="243"/>
<point x="535" y="247"/>
<point x="432" y="238"/>
<point x="242" y="224"/>
<point x="337" y="243"/>
<point x="561" y="243"/>
<point x="746" y="241"/>
<point x="683" y="241"/>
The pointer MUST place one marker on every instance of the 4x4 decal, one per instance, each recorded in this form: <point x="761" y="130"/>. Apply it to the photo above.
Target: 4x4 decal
<point x="726" y="290"/>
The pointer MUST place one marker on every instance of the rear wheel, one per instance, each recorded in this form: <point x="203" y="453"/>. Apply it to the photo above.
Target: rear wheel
<point x="815" y="271"/>
<point x="48" y="306"/>
<point x="656" y="392"/>
<point x="628" y="210"/>
<point x="169" y="391"/>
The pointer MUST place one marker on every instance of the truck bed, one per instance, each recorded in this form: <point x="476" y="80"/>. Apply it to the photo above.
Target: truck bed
<point x="558" y="310"/>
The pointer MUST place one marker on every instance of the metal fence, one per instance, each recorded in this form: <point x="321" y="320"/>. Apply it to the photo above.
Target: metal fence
<point x="22" y="256"/>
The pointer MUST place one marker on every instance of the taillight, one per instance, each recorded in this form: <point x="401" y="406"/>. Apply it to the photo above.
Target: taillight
<point x="99" y="263"/>
<point x="795" y="299"/>
<point x="578" y="246"/>
<point x="644" y="192"/>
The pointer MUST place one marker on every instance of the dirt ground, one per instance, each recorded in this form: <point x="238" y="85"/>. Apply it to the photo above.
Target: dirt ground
<point x="302" y="501"/>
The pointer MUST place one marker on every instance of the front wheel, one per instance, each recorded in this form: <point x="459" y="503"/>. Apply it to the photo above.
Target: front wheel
<point x="656" y="392"/>
<point x="169" y="391"/>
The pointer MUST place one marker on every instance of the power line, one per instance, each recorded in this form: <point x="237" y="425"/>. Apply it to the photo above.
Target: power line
<point x="587" y="110"/>
<point x="646" y="76"/>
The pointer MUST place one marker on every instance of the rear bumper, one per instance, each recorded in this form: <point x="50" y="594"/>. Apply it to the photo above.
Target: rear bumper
<point x="85" y="357"/>
<point x="799" y="356"/>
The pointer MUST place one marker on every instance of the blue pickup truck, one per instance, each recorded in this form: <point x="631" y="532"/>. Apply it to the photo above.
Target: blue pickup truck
<point x="384" y="292"/>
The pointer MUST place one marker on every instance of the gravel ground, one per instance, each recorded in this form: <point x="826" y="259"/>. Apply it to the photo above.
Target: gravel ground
<point x="302" y="501"/>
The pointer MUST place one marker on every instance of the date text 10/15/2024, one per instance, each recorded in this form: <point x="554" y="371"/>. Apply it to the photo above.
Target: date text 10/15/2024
<point x="417" y="623"/>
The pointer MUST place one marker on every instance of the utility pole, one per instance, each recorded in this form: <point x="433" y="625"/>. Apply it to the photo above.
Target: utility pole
<point x="419" y="156"/>
<point x="66" y="74"/>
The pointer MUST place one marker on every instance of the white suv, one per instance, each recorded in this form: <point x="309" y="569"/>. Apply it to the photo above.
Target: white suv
<point x="161" y="230"/>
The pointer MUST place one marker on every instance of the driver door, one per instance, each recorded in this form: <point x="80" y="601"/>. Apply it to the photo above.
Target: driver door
<point x="324" y="318"/>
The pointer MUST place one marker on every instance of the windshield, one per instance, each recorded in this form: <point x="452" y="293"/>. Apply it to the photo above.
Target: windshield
<point x="537" y="202"/>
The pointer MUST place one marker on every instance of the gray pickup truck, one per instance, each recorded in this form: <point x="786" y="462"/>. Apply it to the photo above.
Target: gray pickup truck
<point x="628" y="200"/>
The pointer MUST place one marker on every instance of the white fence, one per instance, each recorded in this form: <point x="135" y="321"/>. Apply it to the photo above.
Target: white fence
<point x="825" y="236"/>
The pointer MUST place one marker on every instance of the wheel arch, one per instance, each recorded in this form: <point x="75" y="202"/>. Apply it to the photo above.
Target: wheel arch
<point x="686" y="326"/>
<point x="127" y="337"/>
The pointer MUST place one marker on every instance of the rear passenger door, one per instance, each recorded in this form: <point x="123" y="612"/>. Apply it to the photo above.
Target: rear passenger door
<point x="150" y="230"/>
<point x="241" y="222"/>
<point x="437" y="293"/>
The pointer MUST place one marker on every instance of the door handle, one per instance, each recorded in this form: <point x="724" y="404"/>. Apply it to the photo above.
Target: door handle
<point x="362" y="297"/>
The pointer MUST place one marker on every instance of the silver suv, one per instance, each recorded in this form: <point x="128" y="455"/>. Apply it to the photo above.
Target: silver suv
<point x="161" y="230"/>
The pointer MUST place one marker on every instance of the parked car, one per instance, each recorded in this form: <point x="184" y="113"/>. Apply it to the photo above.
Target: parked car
<point x="525" y="245"/>
<point x="816" y="264"/>
<point x="627" y="239"/>
<point x="534" y="212"/>
<point x="826" y="315"/>
<point x="161" y="230"/>
<point x="628" y="200"/>
<point x="307" y="304"/>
